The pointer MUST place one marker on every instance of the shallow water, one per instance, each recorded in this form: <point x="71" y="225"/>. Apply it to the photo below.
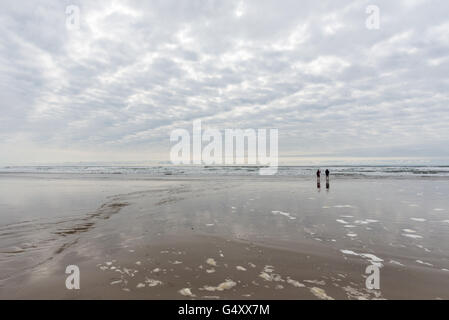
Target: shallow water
<point x="401" y="225"/>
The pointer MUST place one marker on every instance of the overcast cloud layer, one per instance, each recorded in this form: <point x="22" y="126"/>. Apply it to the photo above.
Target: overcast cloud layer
<point x="136" y="70"/>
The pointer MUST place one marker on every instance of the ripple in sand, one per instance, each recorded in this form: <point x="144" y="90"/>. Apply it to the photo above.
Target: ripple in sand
<point x="366" y="221"/>
<point x="228" y="284"/>
<point x="240" y="268"/>
<point x="424" y="263"/>
<point x="295" y="283"/>
<point x="369" y="256"/>
<point x="279" y="287"/>
<point x="422" y="247"/>
<point x="268" y="269"/>
<point x="413" y="236"/>
<point x="318" y="282"/>
<point x="396" y="263"/>
<point x="265" y="276"/>
<point x="211" y="262"/>
<point x="353" y="293"/>
<point x="320" y="293"/>
<point x="285" y="214"/>
<point x="418" y="219"/>
<point x="152" y="282"/>
<point x="270" y="277"/>
<point x="186" y="292"/>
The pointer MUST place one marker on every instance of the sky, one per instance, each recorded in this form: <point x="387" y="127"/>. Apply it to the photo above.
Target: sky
<point x="134" y="71"/>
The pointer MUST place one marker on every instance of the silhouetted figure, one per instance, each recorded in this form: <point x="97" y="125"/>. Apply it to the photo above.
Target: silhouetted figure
<point x="318" y="179"/>
<point x="327" y="179"/>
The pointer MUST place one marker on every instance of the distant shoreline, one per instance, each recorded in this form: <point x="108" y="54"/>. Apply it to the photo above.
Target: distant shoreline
<point x="241" y="170"/>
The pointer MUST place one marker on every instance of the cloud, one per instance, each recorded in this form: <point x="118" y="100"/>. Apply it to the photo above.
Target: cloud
<point x="136" y="70"/>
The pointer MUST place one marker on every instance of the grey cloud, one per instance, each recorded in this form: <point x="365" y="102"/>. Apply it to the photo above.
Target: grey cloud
<point x="138" y="69"/>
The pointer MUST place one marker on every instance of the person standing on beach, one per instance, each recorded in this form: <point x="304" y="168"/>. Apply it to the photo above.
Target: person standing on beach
<point x="327" y="174"/>
<point x="318" y="178"/>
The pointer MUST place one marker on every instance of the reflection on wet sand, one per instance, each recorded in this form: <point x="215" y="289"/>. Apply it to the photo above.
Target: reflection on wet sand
<point x="242" y="238"/>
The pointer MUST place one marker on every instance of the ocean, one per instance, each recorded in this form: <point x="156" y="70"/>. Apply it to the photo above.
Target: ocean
<point x="299" y="171"/>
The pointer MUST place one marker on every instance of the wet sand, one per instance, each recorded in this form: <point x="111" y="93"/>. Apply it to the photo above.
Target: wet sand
<point x="235" y="238"/>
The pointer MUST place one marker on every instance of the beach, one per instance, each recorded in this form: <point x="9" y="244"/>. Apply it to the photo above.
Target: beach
<point x="223" y="236"/>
